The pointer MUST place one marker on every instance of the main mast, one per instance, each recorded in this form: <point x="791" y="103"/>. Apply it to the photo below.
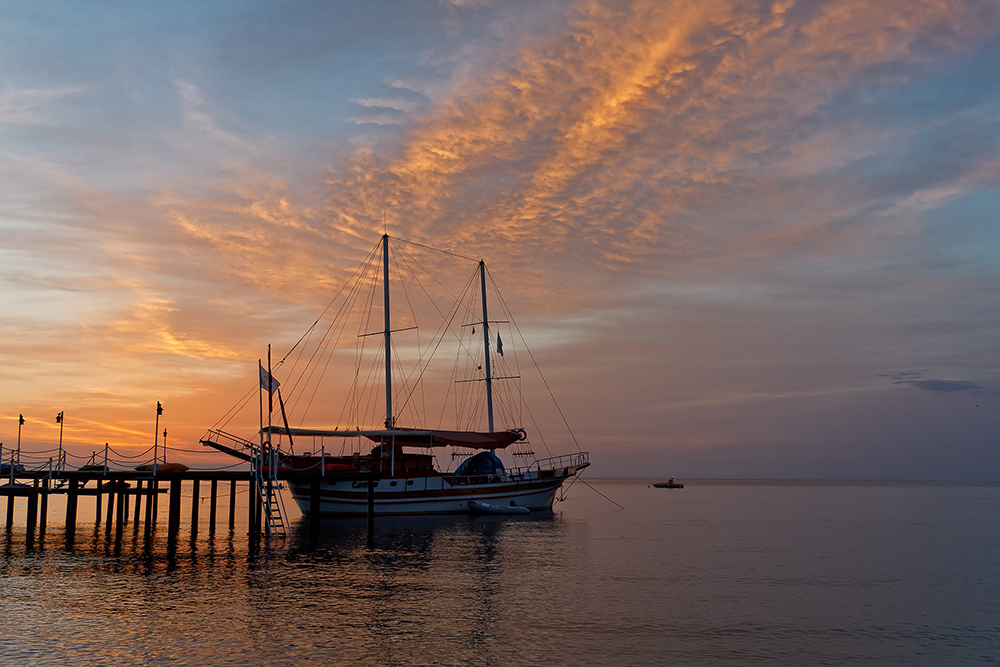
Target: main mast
<point x="388" y="334"/>
<point x="486" y="346"/>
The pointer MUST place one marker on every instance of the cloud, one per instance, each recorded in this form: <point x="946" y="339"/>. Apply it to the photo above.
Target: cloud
<point x="947" y="386"/>
<point x="608" y="139"/>
<point x="915" y="379"/>
<point x="29" y="106"/>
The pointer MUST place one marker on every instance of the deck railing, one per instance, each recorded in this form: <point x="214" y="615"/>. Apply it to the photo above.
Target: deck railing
<point x="574" y="460"/>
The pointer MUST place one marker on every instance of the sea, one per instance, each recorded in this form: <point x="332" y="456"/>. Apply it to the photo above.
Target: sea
<point x="721" y="572"/>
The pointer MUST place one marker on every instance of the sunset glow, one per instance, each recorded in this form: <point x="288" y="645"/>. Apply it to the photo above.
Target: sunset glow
<point x="750" y="239"/>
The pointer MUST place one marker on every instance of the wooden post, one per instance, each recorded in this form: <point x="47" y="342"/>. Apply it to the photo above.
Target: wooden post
<point x="252" y="513"/>
<point x="123" y="500"/>
<point x="42" y="521"/>
<point x="121" y="512"/>
<point x="195" y="502"/>
<point x="232" y="504"/>
<point x="32" y="519"/>
<point x="253" y="530"/>
<point x="213" y="505"/>
<point x="174" y="511"/>
<point x="150" y="504"/>
<point x="100" y="501"/>
<point x="267" y="507"/>
<point x="259" y="511"/>
<point x="156" y="498"/>
<point x="314" y="507"/>
<point x="138" y="503"/>
<point x="72" y="497"/>
<point x="10" y="511"/>
<point x="371" y="509"/>
<point x="111" y="509"/>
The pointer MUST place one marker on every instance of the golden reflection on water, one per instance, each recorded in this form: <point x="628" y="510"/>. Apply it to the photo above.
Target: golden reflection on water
<point x="717" y="573"/>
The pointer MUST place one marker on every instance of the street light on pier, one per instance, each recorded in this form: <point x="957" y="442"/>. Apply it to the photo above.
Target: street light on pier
<point x="156" y="433"/>
<point x="20" y="423"/>
<point x="59" y="420"/>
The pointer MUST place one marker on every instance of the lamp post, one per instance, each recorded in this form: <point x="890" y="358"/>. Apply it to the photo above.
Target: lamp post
<point x="156" y="434"/>
<point x="59" y="420"/>
<point x="20" y="423"/>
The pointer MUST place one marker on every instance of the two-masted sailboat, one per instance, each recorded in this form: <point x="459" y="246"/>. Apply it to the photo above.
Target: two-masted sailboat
<point x="400" y="462"/>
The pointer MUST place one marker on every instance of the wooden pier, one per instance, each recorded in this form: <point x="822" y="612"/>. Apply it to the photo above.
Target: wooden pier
<point x="115" y="491"/>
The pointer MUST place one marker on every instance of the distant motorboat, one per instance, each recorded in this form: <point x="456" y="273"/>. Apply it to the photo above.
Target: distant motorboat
<point x="490" y="508"/>
<point x="668" y="485"/>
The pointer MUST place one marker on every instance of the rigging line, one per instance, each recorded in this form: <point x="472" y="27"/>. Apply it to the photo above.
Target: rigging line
<point x="535" y="362"/>
<point x="578" y="478"/>
<point x="427" y="247"/>
<point x="336" y="296"/>
<point x="233" y="411"/>
<point x="402" y="251"/>
<point x="446" y="325"/>
<point x="309" y="372"/>
<point x="310" y="366"/>
<point x="331" y="337"/>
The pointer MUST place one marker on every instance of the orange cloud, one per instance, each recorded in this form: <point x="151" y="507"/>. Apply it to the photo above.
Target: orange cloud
<point x="600" y="139"/>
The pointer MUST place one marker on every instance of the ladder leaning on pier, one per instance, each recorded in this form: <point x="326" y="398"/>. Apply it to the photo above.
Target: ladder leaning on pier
<point x="263" y="470"/>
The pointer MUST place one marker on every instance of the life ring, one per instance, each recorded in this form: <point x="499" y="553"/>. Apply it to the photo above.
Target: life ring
<point x="521" y="434"/>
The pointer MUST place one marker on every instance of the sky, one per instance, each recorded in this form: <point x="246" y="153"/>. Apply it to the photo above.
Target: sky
<point x="742" y="238"/>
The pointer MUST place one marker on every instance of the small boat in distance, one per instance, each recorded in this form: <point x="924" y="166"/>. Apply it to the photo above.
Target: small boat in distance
<point x="669" y="484"/>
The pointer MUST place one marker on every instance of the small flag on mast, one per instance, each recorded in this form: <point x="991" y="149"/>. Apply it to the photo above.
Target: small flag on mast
<point x="267" y="380"/>
<point x="59" y="418"/>
<point x="20" y="419"/>
<point x="499" y="346"/>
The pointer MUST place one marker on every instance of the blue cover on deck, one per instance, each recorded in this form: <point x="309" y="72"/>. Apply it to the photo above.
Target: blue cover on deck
<point x="483" y="463"/>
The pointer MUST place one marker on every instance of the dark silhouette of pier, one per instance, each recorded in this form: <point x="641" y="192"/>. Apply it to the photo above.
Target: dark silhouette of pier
<point x="119" y="495"/>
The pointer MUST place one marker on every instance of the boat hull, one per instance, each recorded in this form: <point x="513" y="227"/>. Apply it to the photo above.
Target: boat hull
<point x="426" y="495"/>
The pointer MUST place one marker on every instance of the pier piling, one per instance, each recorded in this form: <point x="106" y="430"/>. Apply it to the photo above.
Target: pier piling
<point x="195" y="502"/>
<point x="232" y="504"/>
<point x="213" y="505"/>
<point x="174" y="509"/>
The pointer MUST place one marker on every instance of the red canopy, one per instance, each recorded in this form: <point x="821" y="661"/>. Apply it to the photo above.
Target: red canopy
<point x="434" y="438"/>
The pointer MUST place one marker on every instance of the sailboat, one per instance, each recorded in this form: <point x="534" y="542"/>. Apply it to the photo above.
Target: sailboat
<point x="400" y="462"/>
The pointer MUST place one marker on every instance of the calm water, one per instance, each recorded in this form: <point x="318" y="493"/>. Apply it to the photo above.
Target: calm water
<point x="719" y="573"/>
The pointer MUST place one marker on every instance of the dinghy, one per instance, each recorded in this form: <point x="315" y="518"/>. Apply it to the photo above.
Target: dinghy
<point x="489" y="508"/>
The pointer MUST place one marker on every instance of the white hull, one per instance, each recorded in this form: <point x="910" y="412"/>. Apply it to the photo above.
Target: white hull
<point x="427" y="495"/>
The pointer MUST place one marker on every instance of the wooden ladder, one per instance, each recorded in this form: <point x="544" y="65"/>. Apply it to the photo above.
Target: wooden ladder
<point x="264" y="469"/>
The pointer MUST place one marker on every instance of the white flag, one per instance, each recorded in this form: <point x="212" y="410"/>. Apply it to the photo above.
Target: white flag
<point x="264" y="377"/>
